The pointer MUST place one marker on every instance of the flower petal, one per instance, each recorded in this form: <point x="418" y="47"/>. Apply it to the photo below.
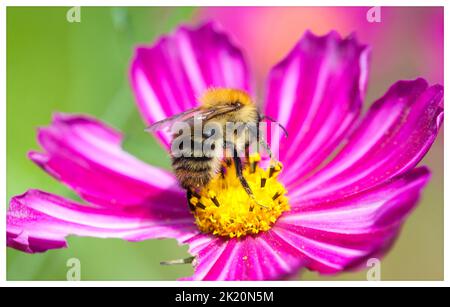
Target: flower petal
<point x="395" y="134"/>
<point x="316" y="94"/>
<point x="167" y="78"/>
<point x="39" y="221"/>
<point x="327" y="237"/>
<point x="86" y="155"/>
<point x="264" y="257"/>
<point x="340" y="234"/>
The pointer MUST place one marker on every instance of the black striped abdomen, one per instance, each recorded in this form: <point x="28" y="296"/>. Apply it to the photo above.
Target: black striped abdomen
<point x="194" y="172"/>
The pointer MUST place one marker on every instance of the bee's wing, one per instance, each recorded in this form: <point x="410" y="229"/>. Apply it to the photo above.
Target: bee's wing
<point x="189" y="115"/>
<point x="167" y="122"/>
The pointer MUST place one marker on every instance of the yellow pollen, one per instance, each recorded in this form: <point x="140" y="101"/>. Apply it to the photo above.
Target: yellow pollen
<point x="224" y="208"/>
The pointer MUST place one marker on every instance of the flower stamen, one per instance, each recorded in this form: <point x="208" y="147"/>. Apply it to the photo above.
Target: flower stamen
<point x="224" y="208"/>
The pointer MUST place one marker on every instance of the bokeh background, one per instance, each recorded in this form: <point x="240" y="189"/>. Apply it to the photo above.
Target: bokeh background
<point x="54" y="65"/>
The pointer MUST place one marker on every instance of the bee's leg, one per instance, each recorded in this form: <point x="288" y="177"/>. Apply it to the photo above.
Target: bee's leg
<point x="247" y="151"/>
<point x="244" y="183"/>
<point x="238" y="165"/>
<point x="266" y="146"/>
<point x="189" y="196"/>
<point x="261" y="141"/>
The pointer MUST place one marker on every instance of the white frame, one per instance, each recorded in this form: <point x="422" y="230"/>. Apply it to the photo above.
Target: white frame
<point x="5" y="3"/>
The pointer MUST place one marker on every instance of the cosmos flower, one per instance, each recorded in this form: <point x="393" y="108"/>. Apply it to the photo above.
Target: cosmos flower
<point x="345" y="186"/>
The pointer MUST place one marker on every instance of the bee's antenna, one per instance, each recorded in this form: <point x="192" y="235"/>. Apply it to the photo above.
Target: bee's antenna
<point x="275" y="121"/>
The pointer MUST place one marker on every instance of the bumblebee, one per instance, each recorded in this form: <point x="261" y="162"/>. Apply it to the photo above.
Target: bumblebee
<point x="219" y="107"/>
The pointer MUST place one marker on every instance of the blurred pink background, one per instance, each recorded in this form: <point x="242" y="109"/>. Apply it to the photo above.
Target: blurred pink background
<point x="407" y="42"/>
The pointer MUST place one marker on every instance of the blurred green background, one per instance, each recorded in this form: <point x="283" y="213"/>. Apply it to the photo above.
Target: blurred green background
<point x="54" y="65"/>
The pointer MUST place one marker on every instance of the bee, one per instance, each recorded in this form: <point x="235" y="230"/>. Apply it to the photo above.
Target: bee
<point x="218" y="106"/>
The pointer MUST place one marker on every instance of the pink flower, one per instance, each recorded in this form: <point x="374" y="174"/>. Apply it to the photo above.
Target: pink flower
<point x="343" y="210"/>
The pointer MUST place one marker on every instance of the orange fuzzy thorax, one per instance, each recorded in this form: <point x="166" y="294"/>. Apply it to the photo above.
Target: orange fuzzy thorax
<point x="220" y="96"/>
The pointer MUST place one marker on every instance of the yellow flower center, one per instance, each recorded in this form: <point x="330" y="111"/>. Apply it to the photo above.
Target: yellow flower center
<point x="224" y="208"/>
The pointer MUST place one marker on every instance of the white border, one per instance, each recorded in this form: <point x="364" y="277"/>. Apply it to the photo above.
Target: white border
<point x="6" y="3"/>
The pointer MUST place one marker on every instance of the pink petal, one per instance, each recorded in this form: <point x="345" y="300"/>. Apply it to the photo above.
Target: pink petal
<point x="86" y="155"/>
<point x="39" y="221"/>
<point x="264" y="257"/>
<point x="316" y="93"/>
<point x="168" y="77"/>
<point x="395" y="134"/>
<point x="340" y="234"/>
